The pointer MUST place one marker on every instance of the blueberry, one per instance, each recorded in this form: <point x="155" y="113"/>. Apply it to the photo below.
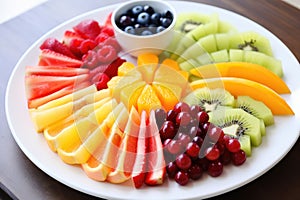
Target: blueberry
<point x="143" y="18"/>
<point x="168" y="14"/>
<point x="165" y="22"/>
<point x="159" y="29"/>
<point x="155" y="17"/>
<point x="146" y="32"/>
<point x="125" y="21"/>
<point x="129" y="29"/>
<point x="148" y="9"/>
<point x="136" y="10"/>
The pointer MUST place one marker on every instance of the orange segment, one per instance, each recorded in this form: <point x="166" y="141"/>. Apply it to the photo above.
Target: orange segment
<point x="171" y="63"/>
<point x="148" y="100"/>
<point x="130" y="93"/>
<point x="147" y="58"/>
<point x="167" y="98"/>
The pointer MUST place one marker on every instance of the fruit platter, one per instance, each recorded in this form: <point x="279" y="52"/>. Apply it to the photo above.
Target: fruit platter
<point x="214" y="110"/>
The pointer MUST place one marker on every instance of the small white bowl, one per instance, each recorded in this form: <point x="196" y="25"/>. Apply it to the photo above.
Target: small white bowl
<point x="137" y="44"/>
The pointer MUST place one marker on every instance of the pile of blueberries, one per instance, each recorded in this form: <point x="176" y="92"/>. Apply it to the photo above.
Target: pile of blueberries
<point x="144" y="20"/>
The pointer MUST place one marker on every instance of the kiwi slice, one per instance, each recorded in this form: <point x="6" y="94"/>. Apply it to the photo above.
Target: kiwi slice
<point x="220" y="56"/>
<point x="251" y="41"/>
<point x="210" y="99"/>
<point x="256" y="108"/>
<point x="237" y="123"/>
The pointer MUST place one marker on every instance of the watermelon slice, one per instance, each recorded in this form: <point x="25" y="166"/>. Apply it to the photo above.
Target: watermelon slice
<point x="55" y="71"/>
<point x="49" y="57"/>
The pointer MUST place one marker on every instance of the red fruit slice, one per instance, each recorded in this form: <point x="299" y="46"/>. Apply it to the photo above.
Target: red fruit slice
<point x="55" y="71"/>
<point x="101" y="81"/>
<point x="69" y="36"/>
<point x="112" y="69"/>
<point x="108" y="21"/>
<point x="49" y="57"/>
<point x="39" y="86"/>
<point x="139" y="168"/>
<point x="54" y="45"/>
<point x="34" y="103"/>
<point x="87" y="45"/>
<point x="156" y="169"/>
<point x="88" y="29"/>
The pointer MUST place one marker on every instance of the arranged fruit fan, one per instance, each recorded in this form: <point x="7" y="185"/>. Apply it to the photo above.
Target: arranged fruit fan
<point x="202" y="104"/>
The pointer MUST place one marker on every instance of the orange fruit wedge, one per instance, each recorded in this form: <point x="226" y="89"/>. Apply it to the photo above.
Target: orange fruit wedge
<point x="245" y="87"/>
<point x="148" y="100"/>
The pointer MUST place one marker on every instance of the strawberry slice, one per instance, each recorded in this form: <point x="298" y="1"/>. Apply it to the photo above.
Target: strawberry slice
<point x="88" y="29"/>
<point x="156" y="169"/>
<point x="108" y="21"/>
<point x="139" y="167"/>
<point x="55" y="71"/>
<point x="69" y="36"/>
<point x="54" y="45"/>
<point x="49" y="57"/>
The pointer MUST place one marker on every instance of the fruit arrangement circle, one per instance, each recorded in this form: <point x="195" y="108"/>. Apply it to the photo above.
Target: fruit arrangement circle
<point x="104" y="77"/>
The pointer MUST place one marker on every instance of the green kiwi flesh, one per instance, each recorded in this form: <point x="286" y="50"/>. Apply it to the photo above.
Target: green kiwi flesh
<point x="210" y="99"/>
<point x="256" y="108"/>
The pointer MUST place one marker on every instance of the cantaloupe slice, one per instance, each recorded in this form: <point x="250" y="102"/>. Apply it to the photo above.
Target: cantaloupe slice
<point x="244" y="87"/>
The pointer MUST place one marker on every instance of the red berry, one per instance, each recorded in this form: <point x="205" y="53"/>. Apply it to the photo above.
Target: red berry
<point x="108" y="31"/>
<point x="174" y="147"/>
<point x="172" y="169"/>
<point x="101" y="38"/>
<point x="167" y="130"/>
<point x="192" y="149"/>
<point x="106" y="54"/>
<point x="202" y="117"/>
<point x="112" y="68"/>
<point x="238" y="158"/>
<point x="183" y="118"/>
<point x="182" y="178"/>
<point x="195" y="172"/>
<point x="88" y="29"/>
<point x="183" y="161"/>
<point x="233" y="145"/>
<point x="181" y="107"/>
<point x="87" y="45"/>
<point x="215" y="134"/>
<point x="212" y="153"/>
<point x="90" y="60"/>
<point x="54" y="45"/>
<point x="215" y="168"/>
<point x="102" y="81"/>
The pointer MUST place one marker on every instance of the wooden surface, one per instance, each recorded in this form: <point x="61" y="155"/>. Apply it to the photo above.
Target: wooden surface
<point x="21" y="179"/>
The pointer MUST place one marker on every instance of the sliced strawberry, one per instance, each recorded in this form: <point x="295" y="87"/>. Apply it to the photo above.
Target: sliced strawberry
<point x="112" y="69"/>
<point x="49" y="57"/>
<point x="156" y="165"/>
<point x="139" y="167"/>
<point x="101" y="37"/>
<point x="54" y="45"/>
<point x="87" y="45"/>
<point x="108" y="31"/>
<point x="69" y="36"/>
<point x="39" y="86"/>
<point x="55" y="71"/>
<point x="88" y="29"/>
<point x="108" y="21"/>
<point x="34" y="103"/>
<point x="101" y="80"/>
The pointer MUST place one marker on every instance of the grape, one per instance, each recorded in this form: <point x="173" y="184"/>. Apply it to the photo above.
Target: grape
<point x="183" y="118"/>
<point x="198" y="140"/>
<point x="174" y="147"/>
<point x="183" y="161"/>
<point x="181" y="107"/>
<point x="215" y="134"/>
<point x="195" y="172"/>
<point x="233" y="145"/>
<point x="202" y="117"/>
<point x="212" y="153"/>
<point x="215" y="168"/>
<point x="172" y="169"/>
<point x="167" y="130"/>
<point x="238" y="158"/>
<point x="192" y="149"/>
<point x="182" y="178"/>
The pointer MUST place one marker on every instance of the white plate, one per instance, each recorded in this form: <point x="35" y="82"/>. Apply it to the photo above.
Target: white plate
<point x="276" y="144"/>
